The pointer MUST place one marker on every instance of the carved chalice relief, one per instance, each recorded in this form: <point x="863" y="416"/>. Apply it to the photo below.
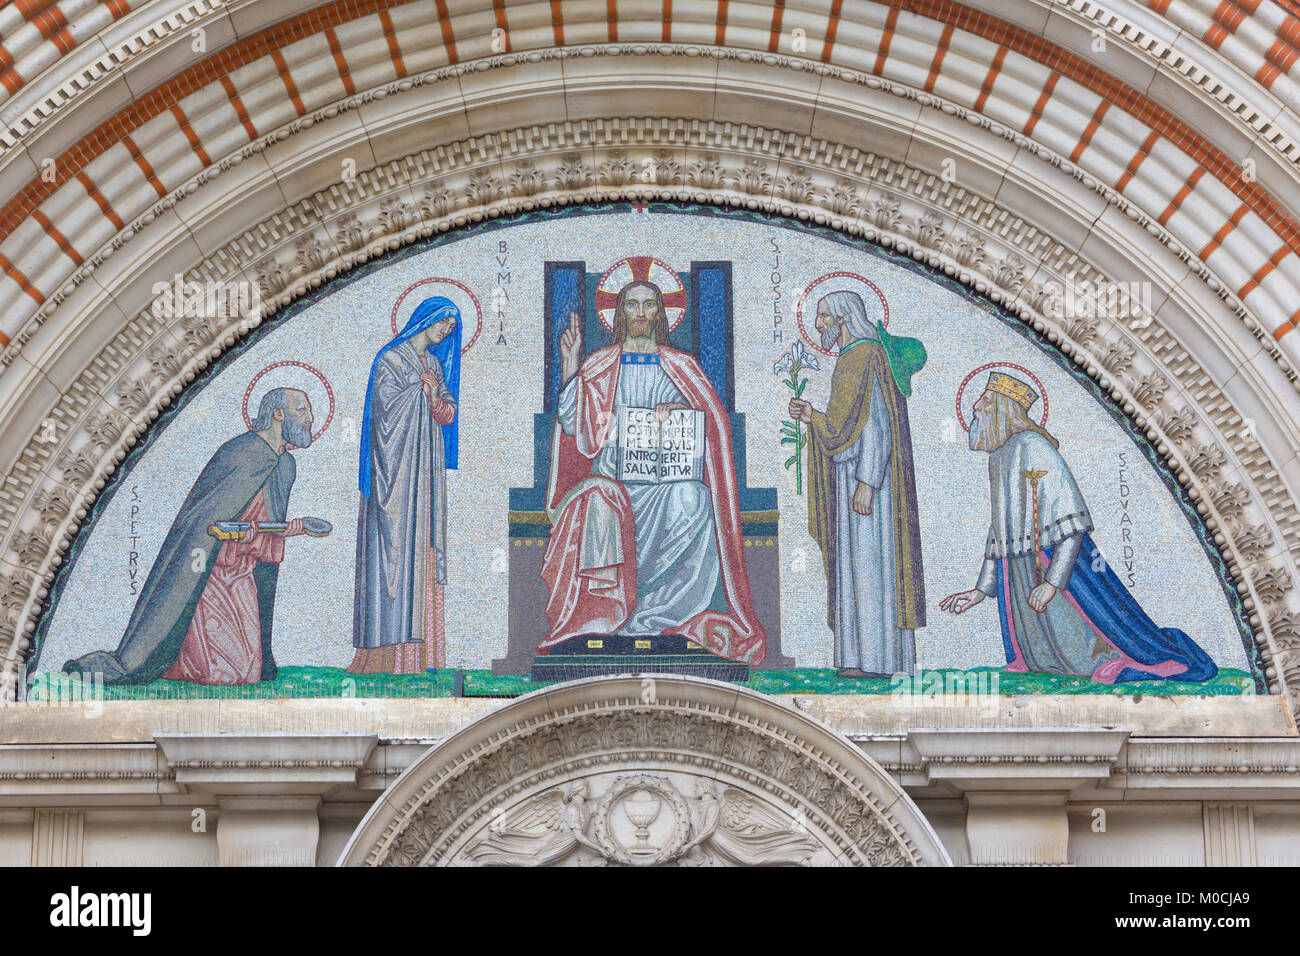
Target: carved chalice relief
<point x="642" y="809"/>
<point x="645" y="820"/>
<point x="642" y="820"/>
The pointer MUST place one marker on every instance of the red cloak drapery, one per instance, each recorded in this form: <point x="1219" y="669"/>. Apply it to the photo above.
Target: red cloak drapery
<point x="223" y="644"/>
<point x="587" y="600"/>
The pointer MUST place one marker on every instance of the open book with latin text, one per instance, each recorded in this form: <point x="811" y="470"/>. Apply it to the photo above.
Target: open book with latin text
<point x="654" y="452"/>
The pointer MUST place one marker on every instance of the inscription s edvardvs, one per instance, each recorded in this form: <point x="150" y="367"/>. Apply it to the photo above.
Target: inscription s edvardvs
<point x="1126" y="521"/>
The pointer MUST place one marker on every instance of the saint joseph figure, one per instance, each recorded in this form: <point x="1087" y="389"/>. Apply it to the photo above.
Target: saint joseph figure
<point x="408" y="441"/>
<point x="204" y="614"/>
<point x="643" y="558"/>
<point x="862" y="492"/>
<point x="1061" y="608"/>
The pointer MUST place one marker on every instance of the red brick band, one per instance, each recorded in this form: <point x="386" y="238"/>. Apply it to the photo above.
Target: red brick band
<point x="886" y="38"/>
<point x="183" y="121"/>
<point x="778" y="14"/>
<point x="59" y="238"/>
<point x="100" y="200"/>
<point x="144" y="165"/>
<point x="340" y="62"/>
<point x="8" y="269"/>
<point x="448" y="40"/>
<point x="557" y="22"/>
<point x="1262" y="272"/>
<point x="831" y="28"/>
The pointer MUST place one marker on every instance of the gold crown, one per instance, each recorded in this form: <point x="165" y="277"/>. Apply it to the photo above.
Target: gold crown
<point x="1012" y="388"/>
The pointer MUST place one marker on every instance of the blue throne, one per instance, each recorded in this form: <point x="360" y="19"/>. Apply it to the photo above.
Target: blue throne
<point x="706" y="332"/>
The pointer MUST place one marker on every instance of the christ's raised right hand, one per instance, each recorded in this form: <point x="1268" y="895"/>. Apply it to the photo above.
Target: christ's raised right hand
<point x="571" y="346"/>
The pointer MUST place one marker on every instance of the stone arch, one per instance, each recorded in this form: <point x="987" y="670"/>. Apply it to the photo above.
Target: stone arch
<point x="1205" y="371"/>
<point x="539" y="781"/>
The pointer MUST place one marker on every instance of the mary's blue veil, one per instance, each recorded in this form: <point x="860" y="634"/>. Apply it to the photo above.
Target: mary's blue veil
<point x="447" y="352"/>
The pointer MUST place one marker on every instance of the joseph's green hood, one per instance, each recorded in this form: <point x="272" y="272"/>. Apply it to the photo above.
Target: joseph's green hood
<point x="906" y="357"/>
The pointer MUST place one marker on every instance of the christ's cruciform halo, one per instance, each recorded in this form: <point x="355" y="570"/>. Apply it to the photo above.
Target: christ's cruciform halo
<point x="641" y="269"/>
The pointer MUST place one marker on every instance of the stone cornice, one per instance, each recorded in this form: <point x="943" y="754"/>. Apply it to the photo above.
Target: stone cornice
<point x="251" y="764"/>
<point x="1038" y="759"/>
<point x="928" y="762"/>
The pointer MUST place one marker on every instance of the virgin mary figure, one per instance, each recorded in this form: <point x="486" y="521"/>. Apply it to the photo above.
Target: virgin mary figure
<point x="408" y="441"/>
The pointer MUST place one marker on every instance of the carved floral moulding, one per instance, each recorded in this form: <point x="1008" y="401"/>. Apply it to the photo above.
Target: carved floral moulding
<point x="641" y="771"/>
<point x="1149" y="220"/>
<point x="1015" y="263"/>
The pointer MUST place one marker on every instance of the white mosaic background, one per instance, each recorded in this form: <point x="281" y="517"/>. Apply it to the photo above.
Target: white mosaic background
<point x="501" y="390"/>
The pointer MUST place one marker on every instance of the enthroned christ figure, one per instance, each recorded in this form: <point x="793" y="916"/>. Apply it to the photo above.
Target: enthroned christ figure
<point x="641" y="557"/>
